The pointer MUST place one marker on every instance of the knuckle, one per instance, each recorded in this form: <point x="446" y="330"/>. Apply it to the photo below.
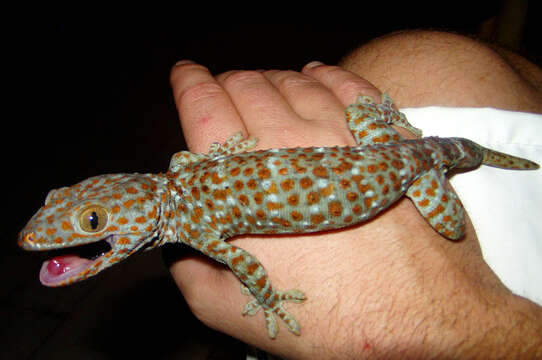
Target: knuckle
<point x="202" y="91"/>
<point x="292" y="80"/>
<point x="352" y="86"/>
<point x="242" y="78"/>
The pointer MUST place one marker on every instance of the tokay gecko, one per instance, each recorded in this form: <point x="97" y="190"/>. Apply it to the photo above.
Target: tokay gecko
<point x="205" y="199"/>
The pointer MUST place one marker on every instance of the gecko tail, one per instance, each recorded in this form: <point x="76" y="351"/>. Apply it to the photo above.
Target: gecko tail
<point x="505" y="161"/>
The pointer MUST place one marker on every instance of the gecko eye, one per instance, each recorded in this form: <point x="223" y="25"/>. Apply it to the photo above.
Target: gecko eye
<point x="93" y="218"/>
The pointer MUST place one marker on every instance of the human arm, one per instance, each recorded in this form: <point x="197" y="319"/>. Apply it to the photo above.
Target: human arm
<point x="387" y="288"/>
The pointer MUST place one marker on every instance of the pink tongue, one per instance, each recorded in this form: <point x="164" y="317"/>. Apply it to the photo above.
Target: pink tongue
<point x="61" y="268"/>
<point x="60" y="264"/>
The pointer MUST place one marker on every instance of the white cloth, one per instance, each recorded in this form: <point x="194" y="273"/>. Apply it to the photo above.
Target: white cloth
<point x="505" y="206"/>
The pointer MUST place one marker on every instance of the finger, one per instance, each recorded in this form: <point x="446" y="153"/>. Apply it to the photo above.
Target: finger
<point x="307" y="96"/>
<point x="264" y="110"/>
<point x="206" y="112"/>
<point x="344" y="84"/>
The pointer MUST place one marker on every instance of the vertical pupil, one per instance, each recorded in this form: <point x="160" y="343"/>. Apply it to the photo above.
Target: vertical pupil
<point x="93" y="219"/>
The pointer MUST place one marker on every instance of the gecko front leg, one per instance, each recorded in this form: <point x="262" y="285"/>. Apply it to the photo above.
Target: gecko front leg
<point x="256" y="282"/>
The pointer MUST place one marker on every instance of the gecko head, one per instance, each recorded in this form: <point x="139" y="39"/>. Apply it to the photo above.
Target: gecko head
<point x="93" y="225"/>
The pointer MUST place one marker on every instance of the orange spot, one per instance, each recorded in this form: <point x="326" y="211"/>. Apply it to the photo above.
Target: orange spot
<point x="216" y="179"/>
<point x="317" y="218"/>
<point x="430" y="192"/>
<point x="385" y="189"/>
<point x="297" y="216"/>
<point x="264" y="173"/>
<point x="243" y="199"/>
<point x="368" y="201"/>
<point x="258" y="198"/>
<point x="320" y="171"/>
<point x="50" y="231"/>
<point x="357" y="209"/>
<point x="248" y="171"/>
<point x="305" y="183"/>
<point x="66" y="225"/>
<point x="293" y="200"/>
<point x="436" y="211"/>
<point x="122" y="220"/>
<point x="287" y="185"/>
<point x="140" y="219"/>
<point x="261" y="282"/>
<point x="365" y="188"/>
<point x="236" y="212"/>
<point x="274" y="205"/>
<point x="219" y="194"/>
<point x="335" y="208"/>
<point x="272" y="189"/>
<point x="123" y="241"/>
<point x="195" y="193"/>
<point x="210" y="204"/>
<point x="260" y="214"/>
<point x="152" y="214"/>
<point x="238" y="185"/>
<point x="312" y="198"/>
<point x="237" y="260"/>
<point x="128" y="203"/>
<point x="423" y="202"/>
<point x="381" y="139"/>
<point x="351" y="196"/>
<point x="252" y="268"/>
<point x="131" y="190"/>
<point x="397" y="164"/>
<point x="252" y="184"/>
<point x="328" y="190"/>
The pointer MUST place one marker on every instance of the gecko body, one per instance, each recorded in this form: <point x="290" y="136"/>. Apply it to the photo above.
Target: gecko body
<point x="205" y="199"/>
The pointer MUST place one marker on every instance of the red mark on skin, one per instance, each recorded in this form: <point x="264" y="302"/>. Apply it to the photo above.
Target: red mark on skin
<point x="204" y="119"/>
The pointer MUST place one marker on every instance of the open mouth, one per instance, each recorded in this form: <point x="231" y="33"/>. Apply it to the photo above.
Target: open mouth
<point x="67" y="263"/>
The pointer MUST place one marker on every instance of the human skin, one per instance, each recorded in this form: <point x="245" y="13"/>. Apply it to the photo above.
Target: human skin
<point x="388" y="288"/>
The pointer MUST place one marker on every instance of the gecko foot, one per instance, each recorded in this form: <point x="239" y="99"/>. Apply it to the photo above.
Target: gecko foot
<point x="275" y="306"/>
<point x="234" y="144"/>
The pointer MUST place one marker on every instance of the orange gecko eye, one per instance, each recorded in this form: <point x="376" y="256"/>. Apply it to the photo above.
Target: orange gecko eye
<point x="93" y="218"/>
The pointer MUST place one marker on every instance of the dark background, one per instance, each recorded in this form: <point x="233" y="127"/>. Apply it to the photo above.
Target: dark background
<point x="95" y="98"/>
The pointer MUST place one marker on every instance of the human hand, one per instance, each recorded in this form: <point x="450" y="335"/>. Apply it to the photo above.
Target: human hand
<point x="389" y="287"/>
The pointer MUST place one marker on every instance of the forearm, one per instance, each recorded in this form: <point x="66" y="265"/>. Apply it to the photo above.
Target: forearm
<point x="514" y="331"/>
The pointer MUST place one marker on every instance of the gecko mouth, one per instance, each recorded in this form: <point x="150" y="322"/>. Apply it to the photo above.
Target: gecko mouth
<point x="66" y="263"/>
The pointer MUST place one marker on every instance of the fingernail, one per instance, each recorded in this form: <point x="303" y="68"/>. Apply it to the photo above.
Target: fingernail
<point x="183" y="62"/>
<point x="313" y="64"/>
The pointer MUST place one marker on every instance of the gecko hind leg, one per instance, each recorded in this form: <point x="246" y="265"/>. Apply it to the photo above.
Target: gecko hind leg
<point x="253" y="306"/>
